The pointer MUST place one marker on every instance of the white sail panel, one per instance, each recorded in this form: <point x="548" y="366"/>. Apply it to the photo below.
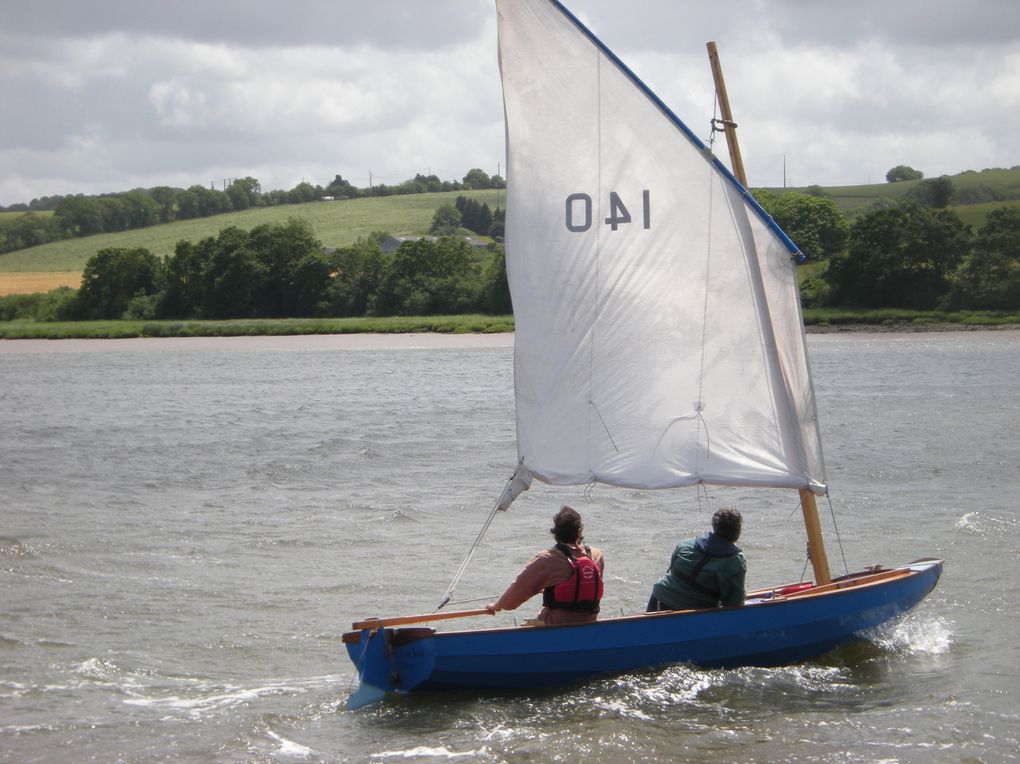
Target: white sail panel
<point x="658" y="333"/>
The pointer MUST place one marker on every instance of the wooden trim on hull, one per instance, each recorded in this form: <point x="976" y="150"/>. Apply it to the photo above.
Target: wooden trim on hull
<point x="759" y="598"/>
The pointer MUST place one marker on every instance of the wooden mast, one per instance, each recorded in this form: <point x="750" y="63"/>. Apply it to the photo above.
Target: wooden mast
<point x="808" y="506"/>
<point x="729" y="126"/>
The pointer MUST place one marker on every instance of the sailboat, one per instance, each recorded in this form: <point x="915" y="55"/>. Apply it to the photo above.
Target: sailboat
<point x="659" y="344"/>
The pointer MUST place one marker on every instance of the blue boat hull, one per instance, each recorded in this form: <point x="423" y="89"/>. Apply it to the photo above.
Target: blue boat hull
<point x="769" y="631"/>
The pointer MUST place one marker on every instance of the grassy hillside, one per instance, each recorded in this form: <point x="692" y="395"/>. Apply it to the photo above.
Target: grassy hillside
<point x="853" y="199"/>
<point x="974" y="214"/>
<point x="337" y="224"/>
<point x="12" y="215"/>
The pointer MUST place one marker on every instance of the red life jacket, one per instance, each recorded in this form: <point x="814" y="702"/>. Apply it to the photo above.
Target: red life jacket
<point x="582" y="591"/>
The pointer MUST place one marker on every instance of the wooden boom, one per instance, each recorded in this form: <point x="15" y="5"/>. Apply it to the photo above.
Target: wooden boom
<point x="374" y="623"/>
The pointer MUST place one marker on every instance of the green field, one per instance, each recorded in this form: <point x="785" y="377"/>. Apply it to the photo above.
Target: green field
<point x="337" y="224"/>
<point x="974" y="215"/>
<point x="852" y="199"/>
<point x="5" y="216"/>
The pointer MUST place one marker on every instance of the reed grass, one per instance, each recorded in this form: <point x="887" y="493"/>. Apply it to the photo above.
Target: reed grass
<point x="467" y="324"/>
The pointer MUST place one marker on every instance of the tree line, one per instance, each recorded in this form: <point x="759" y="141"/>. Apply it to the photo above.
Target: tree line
<point x="279" y="271"/>
<point x="80" y="215"/>
<point x="913" y="253"/>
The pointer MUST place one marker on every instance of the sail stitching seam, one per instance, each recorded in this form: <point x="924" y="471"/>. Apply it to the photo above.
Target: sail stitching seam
<point x="598" y="253"/>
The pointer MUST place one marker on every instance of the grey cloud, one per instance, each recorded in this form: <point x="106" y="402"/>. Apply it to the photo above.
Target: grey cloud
<point x="104" y="95"/>
<point x="671" y="26"/>
<point x="256" y="23"/>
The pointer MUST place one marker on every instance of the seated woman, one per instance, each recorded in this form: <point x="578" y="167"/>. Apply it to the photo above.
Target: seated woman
<point x="569" y="575"/>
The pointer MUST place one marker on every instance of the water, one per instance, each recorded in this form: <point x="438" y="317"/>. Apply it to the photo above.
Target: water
<point x="186" y="528"/>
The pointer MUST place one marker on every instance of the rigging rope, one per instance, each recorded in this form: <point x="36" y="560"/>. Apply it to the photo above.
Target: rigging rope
<point x="712" y="129"/>
<point x="471" y="551"/>
<point x="839" y="540"/>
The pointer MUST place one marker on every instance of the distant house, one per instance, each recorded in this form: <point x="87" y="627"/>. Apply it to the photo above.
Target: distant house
<point x="390" y="243"/>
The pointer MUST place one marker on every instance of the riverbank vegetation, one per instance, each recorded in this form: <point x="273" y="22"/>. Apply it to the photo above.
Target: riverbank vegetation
<point x="54" y="330"/>
<point x="819" y="320"/>
<point x="907" y="259"/>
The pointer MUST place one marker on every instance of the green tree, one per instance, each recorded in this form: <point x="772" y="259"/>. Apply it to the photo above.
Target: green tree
<point x="140" y="209"/>
<point x="112" y="278"/>
<point x="497" y="229"/>
<point x="165" y="198"/>
<point x="243" y="193"/>
<point x="187" y="203"/>
<point x="184" y="271"/>
<point x="495" y="288"/>
<point x="445" y="221"/>
<point x="936" y="192"/>
<point x="27" y="230"/>
<point x="816" y="224"/>
<point x="210" y="201"/>
<point x="989" y="278"/>
<point x="233" y="277"/>
<point x="477" y="178"/>
<point x="303" y="192"/>
<point x="278" y="248"/>
<point x="342" y="189"/>
<point x="38" y="306"/>
<point x="474" y="216"/>
<point x="355" y="275"/>
<point x="427" y="277"/>
<point x="79" y="215"/>
<point x="903" y="172"/>
<point x="901" y="257"/>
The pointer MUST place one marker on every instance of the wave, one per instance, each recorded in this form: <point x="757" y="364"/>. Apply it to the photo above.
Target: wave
<point x="426" y="752"/>
<point x="984" y="524"/>
<point x="198" y="698"/>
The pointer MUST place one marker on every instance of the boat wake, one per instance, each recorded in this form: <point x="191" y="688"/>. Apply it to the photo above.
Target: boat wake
<point x="190" y="697"/>
<point x="199" y="698"/>
<point x="918" y="636"/>
<point x="984" y="524"/>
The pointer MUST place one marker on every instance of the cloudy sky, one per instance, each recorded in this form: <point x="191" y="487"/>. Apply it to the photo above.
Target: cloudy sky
<point x="108" y="95"/>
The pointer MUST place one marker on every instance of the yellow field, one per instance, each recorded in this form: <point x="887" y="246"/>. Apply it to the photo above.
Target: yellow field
<point x="27" y="283"/>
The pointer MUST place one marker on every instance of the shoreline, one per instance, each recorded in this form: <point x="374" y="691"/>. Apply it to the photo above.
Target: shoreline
<point x="394" y="341"/>
<point x="906" y="328"/>
<point x="349" y="341"/>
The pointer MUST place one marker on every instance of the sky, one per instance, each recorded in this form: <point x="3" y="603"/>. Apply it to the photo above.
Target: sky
<point x="109" y="95"/>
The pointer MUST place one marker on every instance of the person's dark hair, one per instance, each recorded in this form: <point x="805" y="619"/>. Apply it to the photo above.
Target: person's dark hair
<point x="566" y="526"/>
<point x="726" y="523"/>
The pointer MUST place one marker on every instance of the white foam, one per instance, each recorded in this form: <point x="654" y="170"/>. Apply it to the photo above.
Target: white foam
<point x="984" y="524"/>
<point x="289" y="747"/>
<point x="424" y="751"/>
<point x="209" y="699"/>
<point x="920" y="636"/>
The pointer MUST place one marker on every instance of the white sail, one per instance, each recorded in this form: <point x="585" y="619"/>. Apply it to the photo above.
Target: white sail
<point x="659" y="340"/>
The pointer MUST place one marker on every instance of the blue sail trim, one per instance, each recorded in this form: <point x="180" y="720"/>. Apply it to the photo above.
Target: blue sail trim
<point x="679" y="124"/>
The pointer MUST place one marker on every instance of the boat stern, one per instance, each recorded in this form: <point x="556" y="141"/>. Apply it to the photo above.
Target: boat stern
<point x="388" y="660"/>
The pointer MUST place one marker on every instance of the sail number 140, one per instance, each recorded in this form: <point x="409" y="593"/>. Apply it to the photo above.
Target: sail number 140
<point x="579" y="206"/>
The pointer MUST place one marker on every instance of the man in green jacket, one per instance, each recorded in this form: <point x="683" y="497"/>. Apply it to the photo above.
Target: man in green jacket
<point x="704" y="572"/>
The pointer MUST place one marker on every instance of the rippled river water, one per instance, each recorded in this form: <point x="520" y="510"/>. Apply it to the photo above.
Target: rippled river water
<point x="187" y="527"/>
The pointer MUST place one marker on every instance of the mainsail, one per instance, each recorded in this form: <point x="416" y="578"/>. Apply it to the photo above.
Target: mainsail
<point x="659" y="340"/>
